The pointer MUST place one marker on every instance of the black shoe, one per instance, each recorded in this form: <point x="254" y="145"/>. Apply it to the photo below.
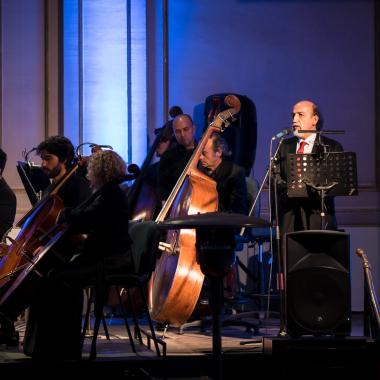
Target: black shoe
<point x="10" y="339"/>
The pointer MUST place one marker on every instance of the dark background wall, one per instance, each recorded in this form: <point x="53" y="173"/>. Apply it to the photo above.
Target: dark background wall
<point x="274" y="52"/>
<point x="277" y="53"/>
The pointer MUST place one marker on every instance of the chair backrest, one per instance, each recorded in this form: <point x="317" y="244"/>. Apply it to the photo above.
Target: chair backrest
<point x="145" y="239"/>
<point x="252" y="189"/>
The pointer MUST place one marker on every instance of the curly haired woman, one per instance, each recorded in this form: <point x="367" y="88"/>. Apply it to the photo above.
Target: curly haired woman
<point x="104" y="219"/>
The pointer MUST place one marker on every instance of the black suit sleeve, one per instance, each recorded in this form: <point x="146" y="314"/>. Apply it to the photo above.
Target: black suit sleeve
<point x="7" y="208"/>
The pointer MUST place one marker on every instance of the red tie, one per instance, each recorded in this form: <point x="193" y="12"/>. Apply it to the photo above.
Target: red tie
<point x="301" y="147"/>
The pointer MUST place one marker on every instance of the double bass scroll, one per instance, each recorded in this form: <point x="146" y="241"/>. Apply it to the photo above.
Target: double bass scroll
<point x="178" y="278"/>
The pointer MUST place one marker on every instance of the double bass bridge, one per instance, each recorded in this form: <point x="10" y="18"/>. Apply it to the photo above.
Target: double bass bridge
<point x="169" y="248"/>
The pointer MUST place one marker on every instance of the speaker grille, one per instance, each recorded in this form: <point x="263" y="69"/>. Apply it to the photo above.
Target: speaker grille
<point x="318" y="291"/>
<point x="319" y="299"/>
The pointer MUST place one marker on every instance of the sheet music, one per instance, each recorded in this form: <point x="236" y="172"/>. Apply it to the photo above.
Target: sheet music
<point x="322" y="170"/>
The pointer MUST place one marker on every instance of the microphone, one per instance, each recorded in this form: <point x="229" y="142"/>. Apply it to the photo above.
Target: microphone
<point x="283" y="133"/>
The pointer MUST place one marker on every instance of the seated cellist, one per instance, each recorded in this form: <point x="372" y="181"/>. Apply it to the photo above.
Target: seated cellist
<point x="103" y="217"/>
<point x="57" y="155"/>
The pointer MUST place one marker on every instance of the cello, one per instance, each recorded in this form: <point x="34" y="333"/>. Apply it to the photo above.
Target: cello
<point x="39" y="247"/>
<point x="37" y="235"/>
<point x="34" y="224"/>
<point x="143" y="200"/>
<point x="178" y="279"/>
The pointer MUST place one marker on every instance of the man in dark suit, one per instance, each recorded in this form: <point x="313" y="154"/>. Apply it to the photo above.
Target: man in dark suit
<point x="231" y="187"/>
<point x="297" y="214"/>
<point x="174" y="160"/>
<point x="229" y="177"/>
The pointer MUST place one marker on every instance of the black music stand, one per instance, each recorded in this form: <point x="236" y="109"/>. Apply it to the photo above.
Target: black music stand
<point x="34" y="180"/>
<point x="330" y="174"/>
<point x="215" y="243"/>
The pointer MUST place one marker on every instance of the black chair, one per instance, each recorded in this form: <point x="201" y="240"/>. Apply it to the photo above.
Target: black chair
<point x="145" y="239"/>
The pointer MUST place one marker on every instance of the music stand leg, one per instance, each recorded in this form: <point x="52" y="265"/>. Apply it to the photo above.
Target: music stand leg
<point x="216" y="300"/>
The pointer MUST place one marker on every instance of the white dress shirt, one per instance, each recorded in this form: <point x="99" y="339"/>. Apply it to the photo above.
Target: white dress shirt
<point x="310" y="143"/>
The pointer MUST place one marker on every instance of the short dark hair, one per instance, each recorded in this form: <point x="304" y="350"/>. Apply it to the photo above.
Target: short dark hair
<point x="60" y="146"/>
<point x="317" y="111"/>
<point x="3" y="160"/>
<point x="175" y="111"/>
<point x="218" y="142"/>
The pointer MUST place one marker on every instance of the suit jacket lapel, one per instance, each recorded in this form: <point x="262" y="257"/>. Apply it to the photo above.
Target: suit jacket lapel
<point x="293" y="146"/>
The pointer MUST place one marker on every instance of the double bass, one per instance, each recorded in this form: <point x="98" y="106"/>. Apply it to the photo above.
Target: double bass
<point x="178" y="279"/>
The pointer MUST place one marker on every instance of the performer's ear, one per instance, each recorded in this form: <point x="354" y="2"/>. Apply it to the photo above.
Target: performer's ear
<point x="316" y="119"/>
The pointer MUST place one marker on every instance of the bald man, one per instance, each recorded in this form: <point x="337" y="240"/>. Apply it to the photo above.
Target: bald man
<point x="297" y="214"/>
<point x="173" y="161"/>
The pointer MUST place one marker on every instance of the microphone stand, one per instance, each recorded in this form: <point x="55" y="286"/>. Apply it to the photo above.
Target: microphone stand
<point x="280" y="279"/>
<point x="280" y="274"/>
<point x="322" y="189"/>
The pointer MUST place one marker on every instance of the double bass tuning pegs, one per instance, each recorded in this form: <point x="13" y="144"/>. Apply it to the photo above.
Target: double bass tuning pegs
<point x="225" y="125"/>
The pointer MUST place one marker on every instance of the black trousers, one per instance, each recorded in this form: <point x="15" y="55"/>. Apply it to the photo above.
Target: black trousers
<point x="55" y="314"/>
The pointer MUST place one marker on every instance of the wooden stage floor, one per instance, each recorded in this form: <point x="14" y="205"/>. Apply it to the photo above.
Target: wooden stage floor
<point x="189" y="356"/>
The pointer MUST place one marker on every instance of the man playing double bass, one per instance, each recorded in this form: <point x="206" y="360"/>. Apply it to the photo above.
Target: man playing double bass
<point x="229" y="177"/>
<point x="230" y="185"/>
<point x="57" y="155"/>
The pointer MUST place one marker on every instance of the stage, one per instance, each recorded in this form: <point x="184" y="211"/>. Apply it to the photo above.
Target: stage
<point x="189" y="355"/>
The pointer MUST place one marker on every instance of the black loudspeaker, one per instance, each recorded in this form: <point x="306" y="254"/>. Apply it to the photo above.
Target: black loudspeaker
<point x="318" y="285"/>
